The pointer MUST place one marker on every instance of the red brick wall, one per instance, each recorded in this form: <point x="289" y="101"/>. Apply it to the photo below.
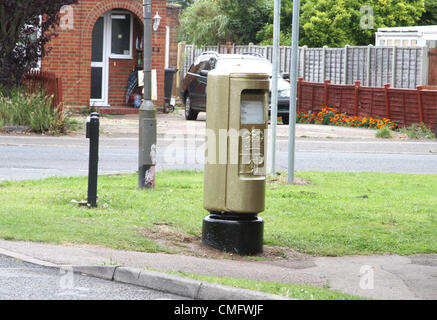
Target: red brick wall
<point x="70" y="52"/>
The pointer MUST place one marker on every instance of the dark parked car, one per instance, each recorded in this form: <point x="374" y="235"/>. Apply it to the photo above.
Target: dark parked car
<point x="194" y="86"/>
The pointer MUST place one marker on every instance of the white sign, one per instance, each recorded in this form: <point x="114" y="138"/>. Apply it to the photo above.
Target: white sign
<point x="154" y="84"/>
<point x="252" y="112"/>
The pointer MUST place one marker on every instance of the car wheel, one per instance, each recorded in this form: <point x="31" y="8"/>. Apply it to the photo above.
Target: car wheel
<point x="285" y="119"/>
<point x="190" y="114"/>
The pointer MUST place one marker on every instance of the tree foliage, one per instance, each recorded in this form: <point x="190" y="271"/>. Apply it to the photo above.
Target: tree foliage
<point x="430" y="15"/>
<point x="202" y="24"/>
<point x="336" y="23"/>
<point x="25" y="27"/>
<point x="213" y="21"/>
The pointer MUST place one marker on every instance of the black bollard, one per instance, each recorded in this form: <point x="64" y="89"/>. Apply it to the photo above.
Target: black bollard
<point x="92" y="133"/>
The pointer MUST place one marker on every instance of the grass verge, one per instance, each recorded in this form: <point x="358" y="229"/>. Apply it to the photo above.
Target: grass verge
<point x="296" y="291"/>
<point x="334" y="214"/>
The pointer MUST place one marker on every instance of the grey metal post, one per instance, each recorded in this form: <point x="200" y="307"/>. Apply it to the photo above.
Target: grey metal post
<point x="293" y="90"/>
<point x="274" y="89"/>
<point x="147" y="117"/>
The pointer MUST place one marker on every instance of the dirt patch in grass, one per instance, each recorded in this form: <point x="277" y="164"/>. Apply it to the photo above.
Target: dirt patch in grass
<point x="189" y="244"/>
<point x="282" y="179"/>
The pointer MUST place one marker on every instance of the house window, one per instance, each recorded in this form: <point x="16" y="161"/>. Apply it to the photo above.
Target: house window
<point x="398" y="43"/>
<point x="34" y="36"/>
<point x="382" y="43"/>
<point x="121" y="35"/>
<point x="413" y="43"/>
<point x="406" y="43"/>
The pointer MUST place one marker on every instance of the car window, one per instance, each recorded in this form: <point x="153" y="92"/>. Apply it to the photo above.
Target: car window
<point x="212" y="63"/>
<point x="194" y="68"/>
<point x="202" y="65"/>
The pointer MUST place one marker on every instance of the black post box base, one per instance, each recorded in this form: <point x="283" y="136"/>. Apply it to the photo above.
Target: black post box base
<point x="236" y="233"/>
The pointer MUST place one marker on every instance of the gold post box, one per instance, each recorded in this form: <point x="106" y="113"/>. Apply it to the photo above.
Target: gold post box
<point x="235" y="168"/>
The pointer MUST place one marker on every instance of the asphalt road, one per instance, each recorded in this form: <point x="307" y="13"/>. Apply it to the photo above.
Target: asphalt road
<point x="25" y="281"/>
<point x="35" y="157"/>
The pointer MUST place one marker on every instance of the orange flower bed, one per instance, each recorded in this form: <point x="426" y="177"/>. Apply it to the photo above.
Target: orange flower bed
<point x="329" y="116"/>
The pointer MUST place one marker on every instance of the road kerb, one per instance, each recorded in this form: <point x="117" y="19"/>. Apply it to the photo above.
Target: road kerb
<point x="194" y="289"/>
<point x="186" y="287"/>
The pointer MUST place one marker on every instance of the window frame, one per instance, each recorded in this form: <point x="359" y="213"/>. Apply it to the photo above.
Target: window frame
<point x="109" y="36"/>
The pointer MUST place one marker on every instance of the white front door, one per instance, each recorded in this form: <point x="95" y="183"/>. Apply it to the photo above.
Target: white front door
<point x="112" y="38"/>
<point x="99" y="64"/>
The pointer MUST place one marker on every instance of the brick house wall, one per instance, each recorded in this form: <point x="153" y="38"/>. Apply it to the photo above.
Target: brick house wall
<point x="70" y="52"/>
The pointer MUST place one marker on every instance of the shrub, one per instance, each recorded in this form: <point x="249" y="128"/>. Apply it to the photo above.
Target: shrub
<point x="383" y="133"/>
<point x="418" y="131"/>
<point x="33" y="110"/>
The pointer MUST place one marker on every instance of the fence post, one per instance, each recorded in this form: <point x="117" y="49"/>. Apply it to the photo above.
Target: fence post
<point x="356" y="97"/>
<point x="303" y="60"/>
<point x="369" y="57"/>
<point x="180" y="66"/>
<point x="193" y="53"/>
<point x="419" y="102"/>
<point x="324" y="63"/>
<point x="228" y="47"/>
<point x="250" y="47"/>
<point x="393" y="68"/>
<point x="425" y="67"/>
<point x="325" y="97"/>
<point x="59" y="93"/>
<point x="387" y="100"/>
<point x="299" y="94"/>
<point x="345" y="71"/>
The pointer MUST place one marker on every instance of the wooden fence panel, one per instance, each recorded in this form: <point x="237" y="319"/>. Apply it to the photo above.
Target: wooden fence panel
<point x="402" y="67"/>
<point x="432" y="72"/>
<point x="312" y="96"/>
<point x="403" y="106"/>
<point x="429" y="102"/>
<point x="342" y="98"/>
<point x="49" y="82"/>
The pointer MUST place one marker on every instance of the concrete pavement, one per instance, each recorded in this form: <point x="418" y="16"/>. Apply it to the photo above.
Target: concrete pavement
<point x="376" y="277"/>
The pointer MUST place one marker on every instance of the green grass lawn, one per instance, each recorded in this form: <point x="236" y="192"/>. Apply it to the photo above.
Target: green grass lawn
<point x="296" y="291"/>
<point x="337" y="214"/>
